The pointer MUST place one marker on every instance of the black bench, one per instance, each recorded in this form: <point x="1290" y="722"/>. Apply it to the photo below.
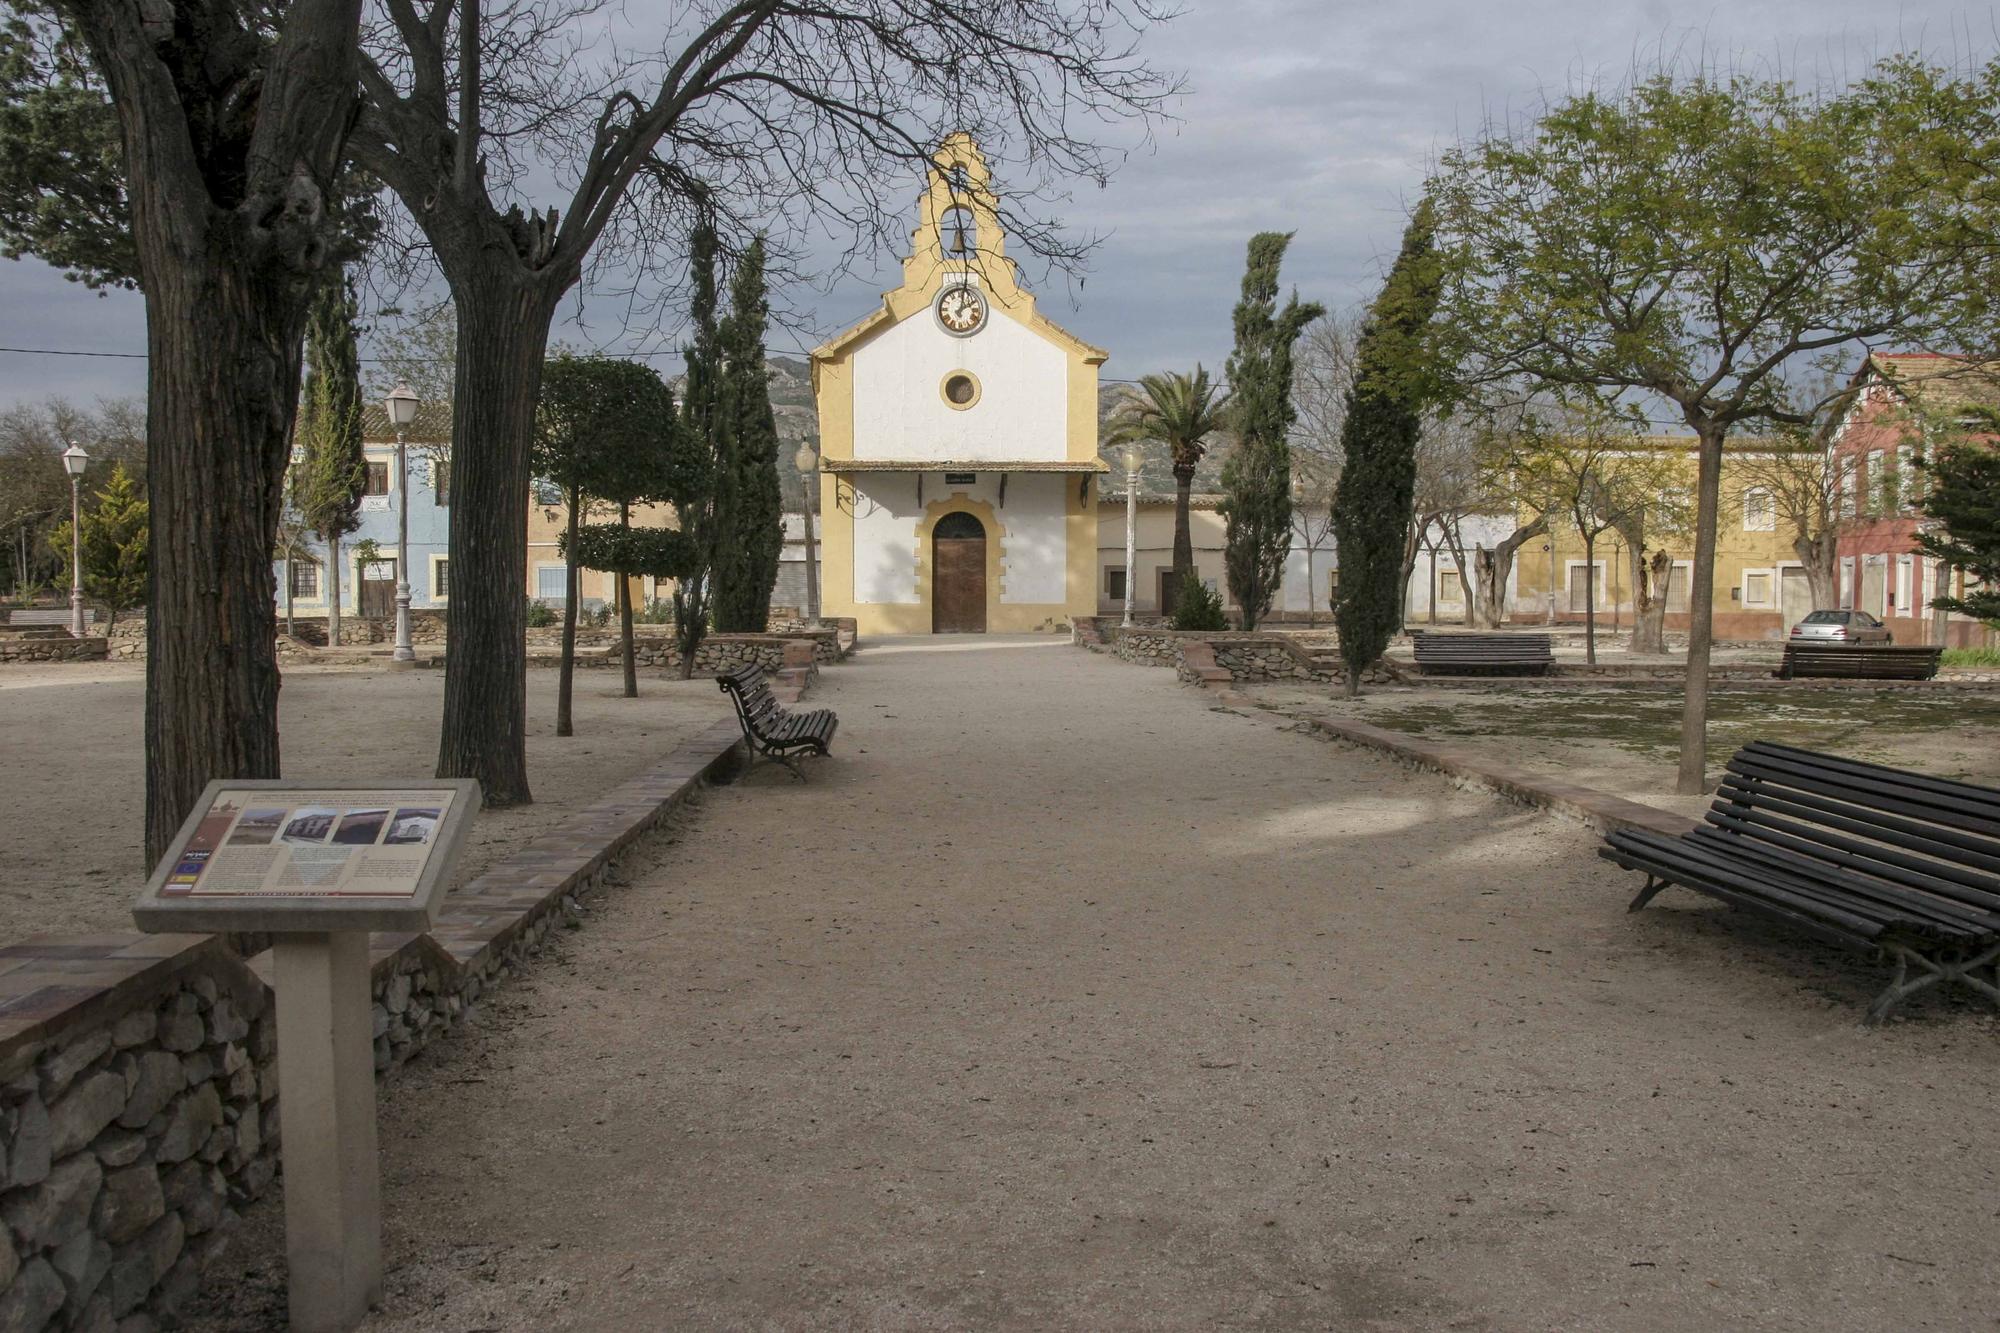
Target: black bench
<point x="1860" y="661"/>
<point x="770" y="730"/>
<point x="1895" y="864"/>
<point x="1483" y="654"/>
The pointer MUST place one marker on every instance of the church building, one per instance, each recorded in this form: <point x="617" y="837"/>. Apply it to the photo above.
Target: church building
<point x="958" y="438"/>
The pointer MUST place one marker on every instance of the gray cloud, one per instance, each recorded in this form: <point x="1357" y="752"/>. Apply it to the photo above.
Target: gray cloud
<point x="1314" y="117"/>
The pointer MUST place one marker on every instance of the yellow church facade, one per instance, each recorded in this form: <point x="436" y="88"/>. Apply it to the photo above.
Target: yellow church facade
<point x="958" y="438"/>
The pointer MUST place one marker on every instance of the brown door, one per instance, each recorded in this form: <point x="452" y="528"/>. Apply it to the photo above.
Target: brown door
<point x="1170" y="592"/>
<point x="378" y="590"/>
<point x="958" y="580"/>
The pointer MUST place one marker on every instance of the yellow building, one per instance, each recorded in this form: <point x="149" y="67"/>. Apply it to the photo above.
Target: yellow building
<point x="1760" y="587"/>
<point x="548" y="519"/>
<point x="958" y="436"/>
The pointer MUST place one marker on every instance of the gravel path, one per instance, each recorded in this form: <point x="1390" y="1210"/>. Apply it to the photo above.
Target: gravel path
<point x="1058" y="999"/>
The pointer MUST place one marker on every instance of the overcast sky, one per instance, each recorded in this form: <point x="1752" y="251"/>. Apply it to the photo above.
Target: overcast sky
<point x="1313" y="116"/>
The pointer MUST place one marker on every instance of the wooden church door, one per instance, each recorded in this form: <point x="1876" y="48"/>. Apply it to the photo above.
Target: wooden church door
<point x="958" y="575"/>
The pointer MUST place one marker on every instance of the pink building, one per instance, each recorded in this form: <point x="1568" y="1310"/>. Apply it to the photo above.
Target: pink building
<point x="1879" y="568"/>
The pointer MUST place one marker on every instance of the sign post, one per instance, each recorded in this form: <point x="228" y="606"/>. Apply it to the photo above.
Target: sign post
<point x="319" y="866"/>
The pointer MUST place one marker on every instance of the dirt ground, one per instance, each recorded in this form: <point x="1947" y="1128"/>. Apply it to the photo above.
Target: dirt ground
<point x="1627" y="740"/>
<point x="72" y="766"/>
<point x="1059" y="999"/>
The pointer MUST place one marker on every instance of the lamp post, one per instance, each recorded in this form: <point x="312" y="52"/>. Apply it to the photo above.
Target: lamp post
<point x="75" y="460"/>
<point x="807" y="459"/>
<point x="1131" y="457"/>
<point x="402" y="407"/>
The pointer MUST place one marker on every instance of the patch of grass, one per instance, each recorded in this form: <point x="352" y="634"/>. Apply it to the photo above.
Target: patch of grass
<point x="1972" y="657"/>
<point x="1647" y="722"/>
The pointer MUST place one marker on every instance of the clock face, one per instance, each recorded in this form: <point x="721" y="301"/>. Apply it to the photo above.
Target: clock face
<point x="961" y="310"/>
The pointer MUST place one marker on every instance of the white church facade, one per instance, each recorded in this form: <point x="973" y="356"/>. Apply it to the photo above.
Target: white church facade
<point x="958" y="438"/>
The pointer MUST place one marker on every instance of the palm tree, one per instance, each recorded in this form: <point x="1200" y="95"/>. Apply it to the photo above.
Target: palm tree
<point x="1180" y="411"/>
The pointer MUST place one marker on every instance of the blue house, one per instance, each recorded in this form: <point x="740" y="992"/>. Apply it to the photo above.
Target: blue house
<point x="369" y="588"/>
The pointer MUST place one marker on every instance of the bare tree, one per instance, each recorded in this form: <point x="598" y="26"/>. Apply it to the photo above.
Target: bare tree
<point x="1451" y="487"/>
<point x="777" y="116"/>
<point x="1808" y="486"/>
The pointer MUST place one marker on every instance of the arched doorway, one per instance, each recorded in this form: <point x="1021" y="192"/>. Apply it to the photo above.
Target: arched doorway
<point x="958" y="575"/>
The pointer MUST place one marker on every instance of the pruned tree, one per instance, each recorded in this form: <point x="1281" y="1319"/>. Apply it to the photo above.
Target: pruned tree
<point x="1806" y="480"/>
<point x="330" y="469"/>
<point x="113" y="550"/>
<point x="1449" y="488"/>
<point x="603" y="433"/>
<point x="752" y="518"/>
<point x="798" y="113"/>
<point x="1697" y="240"/>
<point x="1393" y="385"/>
<point x="1183" y="412"/>
<point x="1256" y="502"/>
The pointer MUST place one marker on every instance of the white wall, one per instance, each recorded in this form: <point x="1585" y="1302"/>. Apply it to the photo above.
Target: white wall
<point x="885" y="538"/>
<point x="1033" y="540"/>
<point x="1023" y="407"/>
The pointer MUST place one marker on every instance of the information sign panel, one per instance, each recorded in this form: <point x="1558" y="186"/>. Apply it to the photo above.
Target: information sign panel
<point x="259" y="855"/>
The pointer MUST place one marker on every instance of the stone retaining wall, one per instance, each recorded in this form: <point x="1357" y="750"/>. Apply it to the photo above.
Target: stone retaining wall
<point x="64" y="649"/>
<point x="139" y="1080"/>
<point x="133" y="1131"/>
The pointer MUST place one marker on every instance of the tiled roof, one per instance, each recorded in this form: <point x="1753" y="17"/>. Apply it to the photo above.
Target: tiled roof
<point x="432" y="426"/>
<point x="1941" y="381"/>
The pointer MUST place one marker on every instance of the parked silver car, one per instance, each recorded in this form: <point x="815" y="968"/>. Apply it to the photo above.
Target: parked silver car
<point x="1841" y="627"/>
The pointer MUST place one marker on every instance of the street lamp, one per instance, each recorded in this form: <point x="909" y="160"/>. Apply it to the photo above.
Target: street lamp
<point x="1131" y="456"/>
<point x="75" y="460"/>
<point x="807" y="460"/>
<point x="402" y="407"/>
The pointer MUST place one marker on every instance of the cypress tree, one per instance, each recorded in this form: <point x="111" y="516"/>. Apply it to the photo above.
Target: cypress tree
<point x="1257" y="478"/>
<point x="1371" y="507"/>
<point x="330" y="470"/>
<point x="692" y="462"/>
<point x="750" y="510"/>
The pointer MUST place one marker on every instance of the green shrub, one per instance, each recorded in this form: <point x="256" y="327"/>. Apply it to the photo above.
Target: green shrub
<point x="656" y="611"/>
<point x="540" y="615"/>
<point x="1198" y="607"/>
<point x="1972" y="657"/>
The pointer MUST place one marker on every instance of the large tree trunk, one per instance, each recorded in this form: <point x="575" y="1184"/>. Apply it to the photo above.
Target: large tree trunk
<point x="229" y="149"/>
<point x="1650" y="575"/>
<point x="503" y="331"/>
<point x="1183" y="537"/>
<point x="1495" y="565"/>
<point x="566" y="674"/>
<point x="333" y="592"/>
<point x="1693" y="777"/>
<point x="1417" y="526"/>
<point x="219" y="412"/>
<point x="1819" y="554"/>
<point x="1590" y="597"/>
<point x="625" y="614"/>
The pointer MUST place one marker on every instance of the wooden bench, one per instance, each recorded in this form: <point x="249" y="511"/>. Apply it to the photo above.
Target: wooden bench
<point x="49" y="617"/>
<point x="770" y="730"/>
<point x="1898" y="865"/>
<point x="1483" y="654"/>
<point x="1864" y="661"/>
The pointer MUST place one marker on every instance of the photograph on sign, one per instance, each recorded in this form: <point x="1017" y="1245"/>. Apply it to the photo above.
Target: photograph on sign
<point x="371" y="844"/>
